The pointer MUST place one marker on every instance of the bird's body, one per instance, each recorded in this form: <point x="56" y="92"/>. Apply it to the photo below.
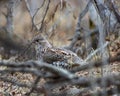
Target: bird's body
<point x="56" y="56"/>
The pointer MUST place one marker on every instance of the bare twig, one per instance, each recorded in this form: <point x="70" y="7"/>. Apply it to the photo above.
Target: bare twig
<point x="33" y="15"/>
<point x="66" y="77"/>
<point x="88" y="65"/>
<point x="86" y="81"/>
<point x="9" y="16"/>
<point x="40" y="29"/>
<point x="78" y="28"/>
<point x="97" y="50"/>
<point x="100" y="8"/>
<point x="38" y="65"/>
<point x="112" y="8"/>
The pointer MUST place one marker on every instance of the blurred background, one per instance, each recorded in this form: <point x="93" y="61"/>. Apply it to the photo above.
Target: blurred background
<point x="57" y="20"/>
<point x="58" y="27"/>
<point x="90" y="28"/>
<point x="60" y="21"/>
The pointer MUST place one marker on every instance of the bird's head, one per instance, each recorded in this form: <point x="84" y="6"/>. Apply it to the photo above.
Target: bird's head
<point x="41" y="42"/>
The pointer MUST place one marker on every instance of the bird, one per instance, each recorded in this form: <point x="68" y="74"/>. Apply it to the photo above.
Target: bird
<point x="59" y="57"/>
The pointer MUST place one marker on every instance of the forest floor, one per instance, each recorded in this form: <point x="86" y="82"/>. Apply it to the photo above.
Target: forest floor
<point x="7" y="89"/>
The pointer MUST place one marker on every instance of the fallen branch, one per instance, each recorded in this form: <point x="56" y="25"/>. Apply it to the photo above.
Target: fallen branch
<point x="38" y="65"/>
<point x="65" y="77"/>
<point x="97" y="50"/>
<point x="93" y="64"/>
<point x="86" y="81"/>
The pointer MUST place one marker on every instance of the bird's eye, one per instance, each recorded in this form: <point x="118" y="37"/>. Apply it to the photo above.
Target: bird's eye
<point x="37" y="40"/>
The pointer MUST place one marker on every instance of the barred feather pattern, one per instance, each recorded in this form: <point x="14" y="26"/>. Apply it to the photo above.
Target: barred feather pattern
<point x="59" y="57"/>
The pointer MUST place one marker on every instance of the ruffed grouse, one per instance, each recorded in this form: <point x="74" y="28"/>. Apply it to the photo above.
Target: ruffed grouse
<point x="56" y="56"/>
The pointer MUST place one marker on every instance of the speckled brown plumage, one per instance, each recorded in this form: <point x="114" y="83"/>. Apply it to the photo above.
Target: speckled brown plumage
<point x="56" y="56"/>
